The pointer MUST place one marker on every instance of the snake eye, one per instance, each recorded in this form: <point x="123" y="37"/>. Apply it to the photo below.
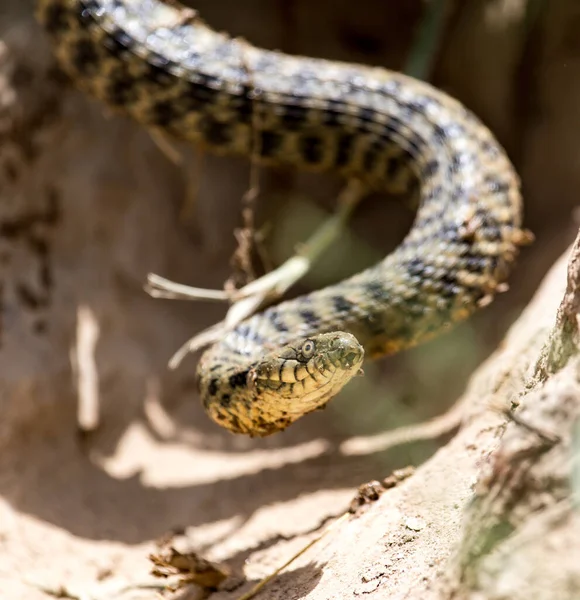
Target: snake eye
<point x="307" y="349"/>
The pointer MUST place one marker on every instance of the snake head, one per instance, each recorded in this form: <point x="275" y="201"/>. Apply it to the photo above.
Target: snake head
<point x="303" y="376"/>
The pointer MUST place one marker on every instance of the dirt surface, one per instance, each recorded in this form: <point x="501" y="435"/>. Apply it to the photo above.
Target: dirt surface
<point x="89" y="205"/>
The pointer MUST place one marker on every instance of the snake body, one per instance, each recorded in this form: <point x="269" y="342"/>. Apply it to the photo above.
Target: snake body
<point x="162" y="65"/>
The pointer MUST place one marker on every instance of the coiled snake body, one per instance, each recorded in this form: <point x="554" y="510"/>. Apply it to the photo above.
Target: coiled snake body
<point x="159" y="63"/>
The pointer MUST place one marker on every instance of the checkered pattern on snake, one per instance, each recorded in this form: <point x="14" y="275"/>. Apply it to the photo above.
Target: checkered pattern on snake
<point x="162" y="65"/>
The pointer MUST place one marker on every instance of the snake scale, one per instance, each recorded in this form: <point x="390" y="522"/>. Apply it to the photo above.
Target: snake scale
<point x="158" y="62"/>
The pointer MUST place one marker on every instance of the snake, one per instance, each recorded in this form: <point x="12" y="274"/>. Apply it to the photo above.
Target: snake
<point x="159" y="63"/>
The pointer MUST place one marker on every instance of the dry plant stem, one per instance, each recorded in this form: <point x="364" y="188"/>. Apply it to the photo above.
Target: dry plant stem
<point x="246" y="235"/>
<point x="260" y="585"/>
<point x="268" y="288"/>
<point x="159" y="287"/>
<point x="167" y="147"/>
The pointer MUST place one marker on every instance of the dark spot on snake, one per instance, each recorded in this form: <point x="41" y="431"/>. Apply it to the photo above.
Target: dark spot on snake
<point x="458" y="159"/>
<point x="310" y="317"/>
<point x="331" y="117"/>
<point x="367" y="115"/>
<point x="312" y="149"/>
<point x="449" y="288"/>
<point x="163" y="113"/>
<point x="448" y="278"/>
<point x="419" y="104"/>
<point x="84" y="57"/>
<point x="406" y="110"/>
<point x="270" y="143"/>
<point x="243" y="106"/>
<point x="188" y="103"/>
<point x="393" y="125"/>
<point x="442" y="133"/>
<point x="123" y="38"/>
<point x="281" y="424"/>
<point x="114" y="45"/>
<point x="120" y="89"/>
<point x="235" y="422"/>
<point x="249" y="333"/>
<point x="212" y="387"/>
<point x="158" y="73"/>
<point x="294" y="117"/>
<point x="371" y="156"/>
<point x="239" y="379"/>
<point x="394" y="165"/>
<point x="459" y="192"/>
<point x="54" y="18"/>
<point x="376" y="290"/>
<point x="494" y="263"/>
<point x="200" y="92"/>
<point x="215" y="132"/>
<point x="277" y="321"/>
<point x="450" y="234"/>
<point x="430" y="169"/>
<point x="416" y="143"/>
<point x="415" y="267"/>
<point x="495" y="186"/>
<point x="254" y="336"/>
<point x="423" y="220"/>
<point x="475" y="264"/>
<point x="243" y="330"/>
<point x="490" y="149"/>
<point x="434" y="193"/>
<point x="491" y="233"/>
<point x="341" y="304"/>
<point x="391" y="87"/>
<point x="225" y="400"/>
<point x="344" y="149"/>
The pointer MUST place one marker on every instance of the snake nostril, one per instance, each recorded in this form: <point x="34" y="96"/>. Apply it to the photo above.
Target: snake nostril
<point x="351" y="358"/>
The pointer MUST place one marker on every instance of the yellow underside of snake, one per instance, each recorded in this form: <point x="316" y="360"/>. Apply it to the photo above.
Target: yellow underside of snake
<point x="159" y="63"/>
